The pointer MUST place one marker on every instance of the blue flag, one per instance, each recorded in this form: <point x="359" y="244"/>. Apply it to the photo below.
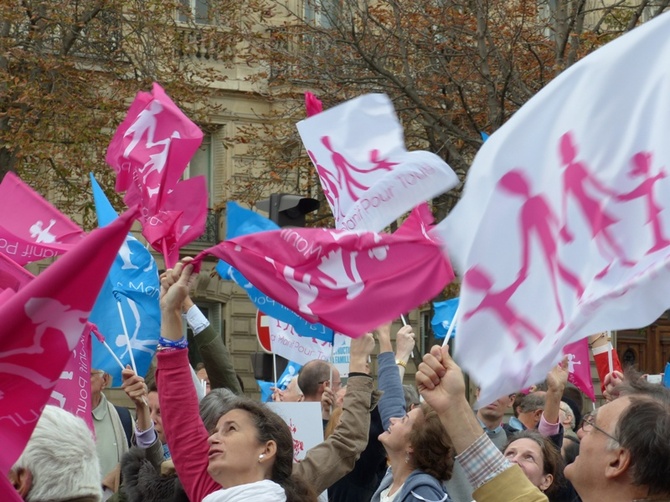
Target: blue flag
<point x="133" y="284"/>
<point x="444" y="316"/>
<point x="291" y="371"/>
<point x="242" y="221"/>
<point x="484" y="136"/>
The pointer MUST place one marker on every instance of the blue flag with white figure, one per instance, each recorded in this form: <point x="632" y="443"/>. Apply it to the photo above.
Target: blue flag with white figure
<point x="291" y="371"/>
<point x="242" y="221"/>
<point x="445" y="313"/>
<point x="129" y="296"/>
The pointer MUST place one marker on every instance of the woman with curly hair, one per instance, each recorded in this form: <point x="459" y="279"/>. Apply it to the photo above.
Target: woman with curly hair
<point x="418" y="447"/>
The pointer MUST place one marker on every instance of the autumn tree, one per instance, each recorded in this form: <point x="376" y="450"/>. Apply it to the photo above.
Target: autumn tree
<point x="453" y="68"/>
<point x="69" y="70"/>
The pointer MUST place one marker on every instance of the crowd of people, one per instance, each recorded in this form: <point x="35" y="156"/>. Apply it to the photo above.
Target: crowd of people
<point x="383" y="443"/>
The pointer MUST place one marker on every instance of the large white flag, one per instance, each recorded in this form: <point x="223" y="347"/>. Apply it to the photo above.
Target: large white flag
<point x="367" y="175"/>
<point x="564" y="228"/>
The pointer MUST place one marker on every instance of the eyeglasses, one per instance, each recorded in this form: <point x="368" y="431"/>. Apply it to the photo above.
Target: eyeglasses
<point x="589" y="422"/>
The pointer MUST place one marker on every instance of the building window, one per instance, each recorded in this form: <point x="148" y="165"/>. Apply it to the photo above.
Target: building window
<point x="201" y="164"/>
<point x="194" y="10"/>
<point x="322" y="13"/>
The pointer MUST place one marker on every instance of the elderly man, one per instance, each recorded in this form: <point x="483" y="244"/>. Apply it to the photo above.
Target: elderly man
<point x="59" y="461"/>
<point x="624" y="455"/>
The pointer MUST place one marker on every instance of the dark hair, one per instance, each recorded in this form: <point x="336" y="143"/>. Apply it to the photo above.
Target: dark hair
<point x="532" y="402"/>
<point x="552" y="461"/>
<point x="433" y="451"/>
<point x="199" y="366"/>
<point x="311" y="374"/>
<point x="570" y="449"/>
<point x="644" y="430"/>
<point x="271" y="427"/>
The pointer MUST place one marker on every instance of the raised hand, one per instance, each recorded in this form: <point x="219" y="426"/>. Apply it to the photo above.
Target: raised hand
<point x="439" y="379"/>
<point x="405" y="341"/>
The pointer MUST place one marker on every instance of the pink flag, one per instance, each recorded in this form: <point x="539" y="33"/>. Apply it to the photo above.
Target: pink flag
<point x="181" y="219"/>
<point x="31" y="228"/>
<point x="8" y="492"/>
<point x="579" y="367"/>
<point x="312" y="104"/>
<point x="151" y="149"/>
<point x="42" y="325"/>
<point x="351" y="282"/>
<point x="12" y="275"/>
<point x="73" y="389"/>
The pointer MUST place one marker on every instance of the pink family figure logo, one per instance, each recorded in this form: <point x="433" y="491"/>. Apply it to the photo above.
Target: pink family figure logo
<point x="346" y="171"/>
<point x="330" y="185"/>
<point x="580" y="184"/>
<point x="537" y="218"/>
<point x="641" y="167"/>
<point x="498" y="302"/>
<point x="145" y="123"/>
<point x="45" y="314"/>
<point x="41" y="234"/>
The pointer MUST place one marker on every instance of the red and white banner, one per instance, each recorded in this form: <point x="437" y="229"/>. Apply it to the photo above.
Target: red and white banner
<point x="367" y="175"/>
<point x="285" y="342"/>
<point x="564" y="226"/>
<point x="31" y="228"/>
<point x="41" y="328"/>
<point x="351" y="282"/>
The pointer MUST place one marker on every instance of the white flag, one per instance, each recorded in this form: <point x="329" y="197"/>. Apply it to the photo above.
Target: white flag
<point x="563" y="229"/>
<point x="367" y="175"/>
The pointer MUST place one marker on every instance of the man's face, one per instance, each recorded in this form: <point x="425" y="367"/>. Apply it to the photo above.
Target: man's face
<point x="97" y="381"/>
<point x="588" y="470"/>
<point x="495" y="411"/>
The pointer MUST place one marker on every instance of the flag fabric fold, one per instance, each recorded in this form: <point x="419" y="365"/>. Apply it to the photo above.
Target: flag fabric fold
<point x="42" y="324"/>
<point x="569" y="234"/>
<point x="240" y="221"/>
<point x="38" y="230"/>
<point x="351" y="282"/>
<point x="367" y="175"/>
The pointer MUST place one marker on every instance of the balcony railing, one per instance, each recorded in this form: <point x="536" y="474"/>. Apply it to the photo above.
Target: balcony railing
<point x="210" y="236"/>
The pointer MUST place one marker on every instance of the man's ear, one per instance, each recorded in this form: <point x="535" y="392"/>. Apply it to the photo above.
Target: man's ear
<point x="22" y="480"/>
<point x="618" y="463"/>
<point x="538" y="414"/>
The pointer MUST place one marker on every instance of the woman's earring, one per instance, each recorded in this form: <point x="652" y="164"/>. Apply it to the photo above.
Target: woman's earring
<point x="261" y="457"/>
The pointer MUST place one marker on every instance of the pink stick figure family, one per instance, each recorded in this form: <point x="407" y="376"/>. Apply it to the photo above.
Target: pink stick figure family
<point x="538" y="220"/>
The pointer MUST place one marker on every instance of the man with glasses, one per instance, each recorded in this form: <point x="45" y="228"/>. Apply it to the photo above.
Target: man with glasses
<point x="624" y="453"/>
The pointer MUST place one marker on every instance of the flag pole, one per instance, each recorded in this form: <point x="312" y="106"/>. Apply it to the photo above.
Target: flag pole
<point x="274" y="367"/>
<point x="610" y="362"/>
<point x="404" y="323"/>
<point x="452" y="325"/>
<point x="125" y="332"/>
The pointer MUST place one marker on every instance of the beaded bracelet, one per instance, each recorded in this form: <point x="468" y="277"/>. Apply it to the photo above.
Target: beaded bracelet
<point x="182" y="343"/>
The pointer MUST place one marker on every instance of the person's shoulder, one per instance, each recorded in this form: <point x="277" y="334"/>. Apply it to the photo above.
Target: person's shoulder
<point x="422" y="486"/>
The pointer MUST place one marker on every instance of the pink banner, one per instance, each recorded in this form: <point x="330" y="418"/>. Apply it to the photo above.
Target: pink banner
<point x="38" y="230"/>
<point x="73" y="389"/>
<point x="351" y="282"/>
<point x="41" y="327"/>
<point x="579" y="367"/>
